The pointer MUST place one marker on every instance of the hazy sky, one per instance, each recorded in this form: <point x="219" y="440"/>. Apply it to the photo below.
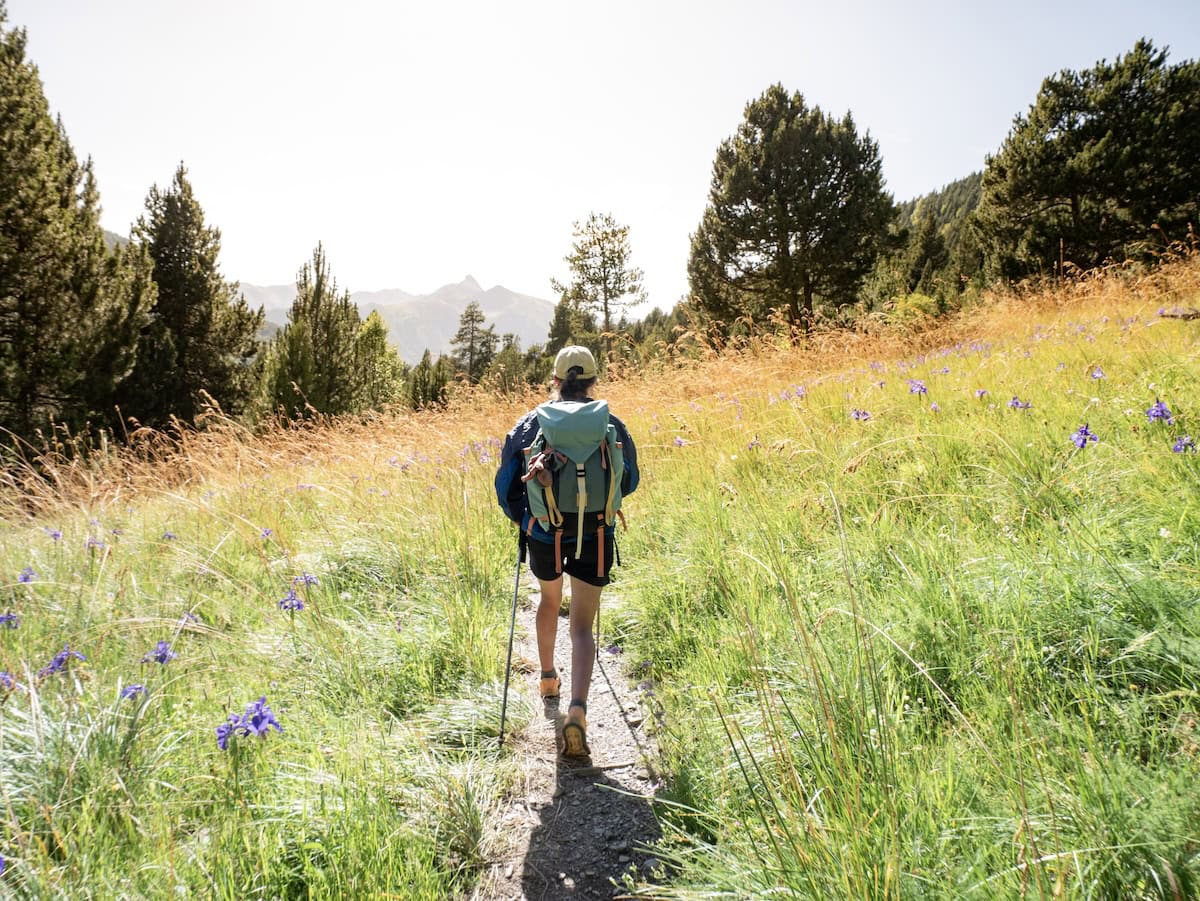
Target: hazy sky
<point x="425" y="141"/>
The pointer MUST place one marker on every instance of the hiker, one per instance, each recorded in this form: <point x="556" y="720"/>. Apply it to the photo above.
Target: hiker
<point x="537" y="488"/>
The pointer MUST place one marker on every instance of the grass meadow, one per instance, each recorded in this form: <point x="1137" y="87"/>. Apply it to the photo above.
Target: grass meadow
<point x="898" y="633"/>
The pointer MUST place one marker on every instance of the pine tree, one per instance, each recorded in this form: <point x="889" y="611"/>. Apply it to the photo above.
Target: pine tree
<point x="796" y="214"/>
<point x="572" y="325"/>
<point x="429" y="381"/>
<point x="70" y="309"/>
<point x="202" y="337"/>
<point x="380" y="373"/>
<point x="474" y="346"/>
<point x="310" y="367"/>
<point x="602" y="280"/>
<point x="1101" y="167"/>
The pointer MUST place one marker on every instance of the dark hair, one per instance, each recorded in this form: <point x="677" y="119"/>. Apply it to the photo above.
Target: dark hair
<point x="573" y="387"/>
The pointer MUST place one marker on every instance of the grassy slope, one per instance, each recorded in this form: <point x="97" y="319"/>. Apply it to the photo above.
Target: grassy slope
<point x="927" y="653"/>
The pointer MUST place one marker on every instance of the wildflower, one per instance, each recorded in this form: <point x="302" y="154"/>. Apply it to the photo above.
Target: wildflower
<point x="916" y="386"/>
<point x="859" y="415"/>
<point x="1184" y="443"/>
<point x="305" y="579"/>
<point x="93" y="543"/>
<point x="1097" y="373"/>
<point x="981" y="393"/>
<point x="169" y="536"/>
<point x="55" y="534"/>
<point x="753" y="444"/>
<point x="162" y="653"/>
<point x="679" y="442"/>
<point x="1083" y="436"/>
<point x="1017" y="404"/>
<point x="1060" y="367"/>
<point x="266" y="533"/>
<point x="9" y="620"/>
<point x="257" y="720"/>
<point x="26" y="575"/>
<point x="934" y="407"/>
<point x="188" y="617"/>
<point x="291" y="601"/>
<point x="7" y="682"/>
<point x="614" y="649"/>
<point x="132" y="691"/>
<point x="60" y="661"/>
<point x="945" y="370"/>
<point x="225" y="730"/>
<point x="1160" y="411"/>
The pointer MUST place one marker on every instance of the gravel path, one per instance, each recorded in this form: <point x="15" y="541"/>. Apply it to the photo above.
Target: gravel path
<point x="574" y="827"/>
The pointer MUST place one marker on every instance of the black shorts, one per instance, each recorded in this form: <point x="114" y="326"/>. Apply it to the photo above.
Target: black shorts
<point x="583" y="567"/>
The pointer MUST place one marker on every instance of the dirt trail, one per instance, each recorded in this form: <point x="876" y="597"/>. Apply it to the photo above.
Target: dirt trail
<point x="574" y="828"/>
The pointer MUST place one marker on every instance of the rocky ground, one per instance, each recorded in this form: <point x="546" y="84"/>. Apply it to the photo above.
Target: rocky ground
<point x="575" y="828"/>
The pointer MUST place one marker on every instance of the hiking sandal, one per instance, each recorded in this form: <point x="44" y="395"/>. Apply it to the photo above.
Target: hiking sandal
<point x="574" y="732"/>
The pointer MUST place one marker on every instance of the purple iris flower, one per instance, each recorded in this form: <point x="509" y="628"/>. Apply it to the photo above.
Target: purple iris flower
<point x="1097" y="373"/>
<point x="859" y="415"/>
<point x="59" y="661"/>
<point x="26" y="575"/>
<point x="9" y="620"/>
<point x="291" y="601"/>
<point x="305" y="579"/>
<point x="162" y="653"/>
<point x="1184" y="443"/>
<point x="7" y="682"/>
<point x="981" y="393"/>
<point x="1159" y="411"/>
<point x="257" y="720"/>
<point x="132" y="691"/>
<point x="1081" y="437"/>
<point x="1017" y="404"/>
<point x="916" y="386"/>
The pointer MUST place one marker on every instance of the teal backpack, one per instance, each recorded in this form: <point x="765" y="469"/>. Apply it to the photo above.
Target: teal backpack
<point x="573" y="471"/>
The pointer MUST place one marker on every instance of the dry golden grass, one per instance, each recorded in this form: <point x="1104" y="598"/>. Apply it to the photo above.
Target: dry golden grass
<point x="225" y="452"/>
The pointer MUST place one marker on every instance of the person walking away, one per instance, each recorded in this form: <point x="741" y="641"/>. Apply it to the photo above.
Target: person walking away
<point x="567" y="515"/>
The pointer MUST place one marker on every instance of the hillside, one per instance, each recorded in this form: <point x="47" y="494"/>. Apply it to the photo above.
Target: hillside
<point x="419" y="321"/>
<point x="908" y="615"/>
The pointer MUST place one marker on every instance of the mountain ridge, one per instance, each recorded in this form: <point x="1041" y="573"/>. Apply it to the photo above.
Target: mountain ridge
<point x="417" y="322"/>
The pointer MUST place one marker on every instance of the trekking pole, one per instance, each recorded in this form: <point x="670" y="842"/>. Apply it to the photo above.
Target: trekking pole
<point x="512" y="625"/>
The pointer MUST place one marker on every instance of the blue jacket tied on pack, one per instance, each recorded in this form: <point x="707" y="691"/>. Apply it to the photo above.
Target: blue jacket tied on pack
<point x="510" y="490"/>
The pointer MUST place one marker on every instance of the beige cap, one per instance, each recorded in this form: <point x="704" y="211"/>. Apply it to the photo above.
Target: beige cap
<point x="570" y="357"/>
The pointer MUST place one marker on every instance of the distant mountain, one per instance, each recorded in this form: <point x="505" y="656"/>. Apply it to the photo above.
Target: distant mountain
<point x="419" y="321"/>
<point x="112" y="239"/>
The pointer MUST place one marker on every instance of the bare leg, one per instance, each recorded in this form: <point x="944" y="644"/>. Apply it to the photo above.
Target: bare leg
<point x="547" y="621"/>
<point x="585" y="601"/>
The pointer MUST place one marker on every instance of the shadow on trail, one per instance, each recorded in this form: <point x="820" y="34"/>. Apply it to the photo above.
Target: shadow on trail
<point x="598" y="824"/>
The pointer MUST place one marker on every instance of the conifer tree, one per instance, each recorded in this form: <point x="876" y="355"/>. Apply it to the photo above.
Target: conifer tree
<point x="1101" y="167"/>
<point x="327" y="360"/>
<point x="380" y="373"/>
<point x="202" y="337"/>
<point x="572" y="324"/>
<point x="429" y="381"/>
<point x="602" y="280"/>
<point x="796" y="214"/>
<point x="70" y="309"/>
<point x="474" y="345"/>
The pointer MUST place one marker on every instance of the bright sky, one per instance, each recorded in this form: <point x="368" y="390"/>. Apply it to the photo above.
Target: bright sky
<point x="422" y="140"/>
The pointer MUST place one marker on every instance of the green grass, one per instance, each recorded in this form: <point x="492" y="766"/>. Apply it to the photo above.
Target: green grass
<point x="932" y="654"/>
<point x="929" y="654"/>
